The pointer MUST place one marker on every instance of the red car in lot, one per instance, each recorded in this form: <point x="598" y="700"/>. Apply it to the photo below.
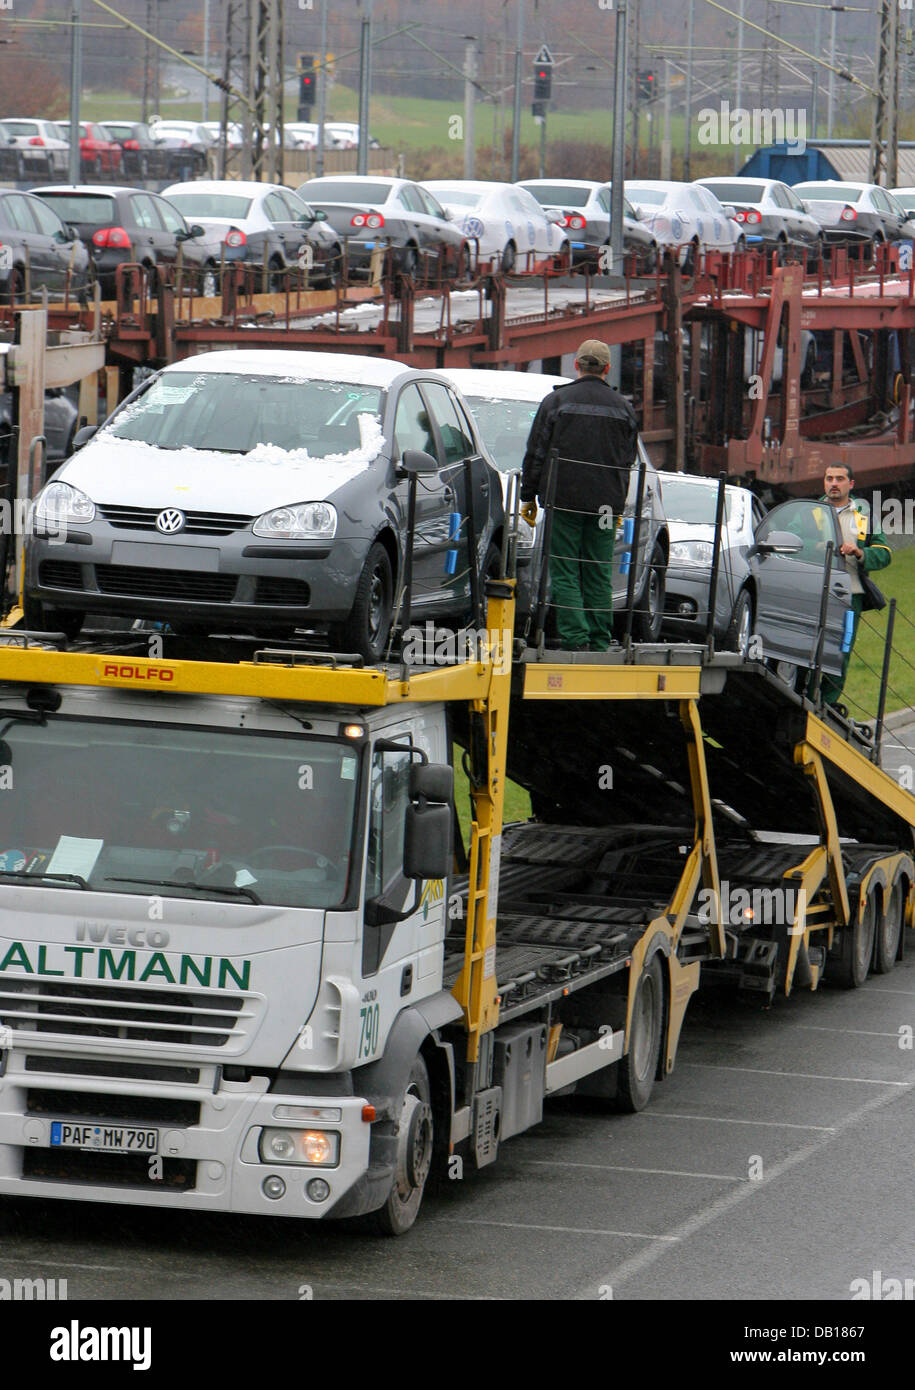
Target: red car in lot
<point x="98" y="153"/>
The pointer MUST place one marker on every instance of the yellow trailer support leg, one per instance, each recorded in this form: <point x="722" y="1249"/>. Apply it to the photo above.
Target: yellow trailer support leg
<point x="475" y="987"/>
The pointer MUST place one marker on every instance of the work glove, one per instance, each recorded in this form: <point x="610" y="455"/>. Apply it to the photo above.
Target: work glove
<point x="529" y="512"/>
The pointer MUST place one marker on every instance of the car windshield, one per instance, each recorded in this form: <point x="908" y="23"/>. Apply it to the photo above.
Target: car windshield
<point x="550" y="195"/>
<point x="211" y="204"/>
<point x="339" y="191"/>
<point x="22" y="127"/>
<point x="737" y="192"/>
<point x="233" y="413"/>
<point x="906" y="199"/>
<point x="504" y="426"/>
<point x="152" y="807"/>
<point x="96" y="209"/>
<point x="828" y="193"/>
<point x="693" y="504"/>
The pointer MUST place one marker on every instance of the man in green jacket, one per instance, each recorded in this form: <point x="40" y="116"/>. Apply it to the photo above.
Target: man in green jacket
<point x="864" y="550"/>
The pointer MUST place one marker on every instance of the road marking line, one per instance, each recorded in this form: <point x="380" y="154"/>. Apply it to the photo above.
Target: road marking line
<point x="561" y="1230"/>
<point x="71" y="1264"/>
<point x="727" y="1201"/>
<point x="626" y="1168"/>
<point x="849" y="1032"/>
<point x="725" y="1120"/>
<point x="796" y="1075"/>
<point x="875" y="990"/>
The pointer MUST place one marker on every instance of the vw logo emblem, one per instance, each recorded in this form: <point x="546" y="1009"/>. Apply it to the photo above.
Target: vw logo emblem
<point x="170" y="521"/>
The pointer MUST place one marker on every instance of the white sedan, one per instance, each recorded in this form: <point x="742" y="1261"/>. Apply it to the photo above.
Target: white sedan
<point x="685" y="215"/>
<point x="507" y="221"/>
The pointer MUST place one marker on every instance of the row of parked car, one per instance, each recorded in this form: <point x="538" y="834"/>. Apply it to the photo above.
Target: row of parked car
<point x="267" y="492"/>
<point x="33" y="147"/>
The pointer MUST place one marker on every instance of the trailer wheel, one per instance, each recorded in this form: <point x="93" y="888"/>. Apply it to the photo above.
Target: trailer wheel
<point x="856" y="950"/>
<point x="888" y="930"/>
<point x="637" y="1070"/>
<point x="414" y="1157"/>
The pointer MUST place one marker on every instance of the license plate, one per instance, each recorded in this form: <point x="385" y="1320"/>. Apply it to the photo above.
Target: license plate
<point x="114" y="1139"/>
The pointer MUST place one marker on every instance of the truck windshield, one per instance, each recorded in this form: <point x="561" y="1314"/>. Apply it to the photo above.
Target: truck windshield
<point x="178" y="812"/>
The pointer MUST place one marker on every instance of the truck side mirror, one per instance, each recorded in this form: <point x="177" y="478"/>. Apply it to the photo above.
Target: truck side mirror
<point x="428" y="824"/>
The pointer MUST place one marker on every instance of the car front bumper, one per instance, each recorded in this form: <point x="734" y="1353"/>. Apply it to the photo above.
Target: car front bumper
<point x="243" y="580"/>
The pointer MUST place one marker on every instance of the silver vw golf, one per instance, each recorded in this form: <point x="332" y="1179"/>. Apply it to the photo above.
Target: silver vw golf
<point x="264" y="491"/>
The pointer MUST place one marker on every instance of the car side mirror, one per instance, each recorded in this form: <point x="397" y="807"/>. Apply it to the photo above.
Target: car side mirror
<point x="320" y="215"/>
<point x="777" y="543"/>
<point x="730" y="210"/>
<point x="448" y="214"/>
<point x="428" y="823"/>
<point x="417" y="461"/>
<point x="83" y="436"/>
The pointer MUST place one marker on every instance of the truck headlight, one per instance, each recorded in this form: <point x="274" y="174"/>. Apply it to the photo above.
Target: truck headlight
<point x="692" y="552"/>
<point x="317" y="1148"/>
<point x="59" y="502"/>
<point x="301" y="521"/>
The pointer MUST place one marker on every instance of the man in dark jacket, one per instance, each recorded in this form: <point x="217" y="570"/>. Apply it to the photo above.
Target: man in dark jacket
<point x="595" y="432"/>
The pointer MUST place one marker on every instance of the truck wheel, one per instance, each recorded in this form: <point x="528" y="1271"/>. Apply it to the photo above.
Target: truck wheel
<point x="856" y="950"/>
<point x="414" y="1156"/>
<point x="888" y="930"/>
<point x="649" y="614"/>
<point x="637" y="1070"/>
<point x="368" y="626"/>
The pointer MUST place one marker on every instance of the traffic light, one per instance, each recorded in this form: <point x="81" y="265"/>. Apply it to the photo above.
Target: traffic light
<point x="308" y="83"/>
<point x="646" y="85"/>
<point x="543" y="81"/>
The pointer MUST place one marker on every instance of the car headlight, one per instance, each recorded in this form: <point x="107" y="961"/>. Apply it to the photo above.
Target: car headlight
<point x="59" y="503"/>
<point x="692" y="552"/>
<point x="303" y="521"/>
<point x="317" y="1148"/>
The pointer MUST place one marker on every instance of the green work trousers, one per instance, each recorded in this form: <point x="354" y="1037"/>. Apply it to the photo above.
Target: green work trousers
<point x="581" y="574"/>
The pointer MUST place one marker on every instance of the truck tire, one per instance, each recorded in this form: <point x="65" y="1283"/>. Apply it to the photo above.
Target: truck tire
<point x="414" y="1157"/>
<point x="856" y="949"/>
<point x="889" y="930"/>
<point x="638" y="1069"/>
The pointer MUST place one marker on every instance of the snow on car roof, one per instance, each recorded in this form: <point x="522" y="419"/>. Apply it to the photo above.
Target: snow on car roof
<point x="493" y="385"/>
<point x="309" y="366"/>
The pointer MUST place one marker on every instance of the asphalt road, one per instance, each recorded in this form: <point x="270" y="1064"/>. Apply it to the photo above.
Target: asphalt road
<point x="773" y="1164"/>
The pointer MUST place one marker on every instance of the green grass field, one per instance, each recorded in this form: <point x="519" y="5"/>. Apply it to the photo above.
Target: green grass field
<point x="863" y="685"/>
<point x="405" y="124"/>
